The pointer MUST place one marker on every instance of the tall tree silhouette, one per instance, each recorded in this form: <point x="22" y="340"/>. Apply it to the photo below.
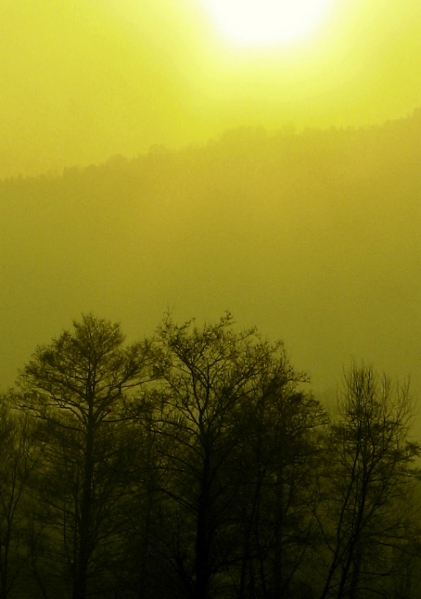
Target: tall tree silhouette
<point x="368" y="471"/>
<point x="77" y="386"/>
<point x="210" y="377"/>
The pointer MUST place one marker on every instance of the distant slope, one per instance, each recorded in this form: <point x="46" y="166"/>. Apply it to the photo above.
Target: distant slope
<point x="314" y="237"/>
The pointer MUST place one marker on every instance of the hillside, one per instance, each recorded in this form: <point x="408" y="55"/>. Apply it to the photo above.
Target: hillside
<point x="314" y="237"/>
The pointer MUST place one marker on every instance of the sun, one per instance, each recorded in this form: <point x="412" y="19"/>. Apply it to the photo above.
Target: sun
<point x="267" y="22"/>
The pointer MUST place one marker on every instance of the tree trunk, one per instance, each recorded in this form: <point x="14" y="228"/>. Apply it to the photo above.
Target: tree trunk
<point x="202" y="536"/>
<point x="85" y="525"/>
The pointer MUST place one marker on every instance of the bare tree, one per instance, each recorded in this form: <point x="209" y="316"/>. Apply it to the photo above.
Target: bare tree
<point x="76" y="386"/>
<point x="210" y="378"/>
<point x="367" y="473"/>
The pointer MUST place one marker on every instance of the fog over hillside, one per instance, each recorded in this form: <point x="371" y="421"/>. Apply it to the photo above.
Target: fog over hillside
<point x="313" y="237"/>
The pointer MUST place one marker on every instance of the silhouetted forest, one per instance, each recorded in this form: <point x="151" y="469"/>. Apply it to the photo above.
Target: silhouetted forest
<point x="197" y="464"/>
<point x="312" y="236"/>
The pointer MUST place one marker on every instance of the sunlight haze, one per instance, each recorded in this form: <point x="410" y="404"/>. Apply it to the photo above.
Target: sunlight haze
<point x="269" y="22"/>
<point x="150" y="162"/>
<point x="83" y="81"/>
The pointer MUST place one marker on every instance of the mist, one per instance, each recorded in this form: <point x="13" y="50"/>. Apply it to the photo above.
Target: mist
<point x="313" y="237"/>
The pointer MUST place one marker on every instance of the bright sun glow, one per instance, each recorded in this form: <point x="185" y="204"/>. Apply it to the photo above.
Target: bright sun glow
<point x="266" y="22"/>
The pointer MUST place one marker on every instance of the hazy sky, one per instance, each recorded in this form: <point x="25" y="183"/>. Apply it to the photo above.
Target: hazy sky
<point x="85" y="79"/>
<point x="322" y="250"/>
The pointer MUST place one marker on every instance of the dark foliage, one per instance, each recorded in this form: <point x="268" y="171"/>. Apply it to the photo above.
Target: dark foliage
<point x="197" y="465"/>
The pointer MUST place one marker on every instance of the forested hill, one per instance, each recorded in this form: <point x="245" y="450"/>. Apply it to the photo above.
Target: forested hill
<point x="314" y="237"/>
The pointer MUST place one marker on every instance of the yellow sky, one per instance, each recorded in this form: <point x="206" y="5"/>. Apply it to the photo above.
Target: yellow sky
<point x="85" y="79"/>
